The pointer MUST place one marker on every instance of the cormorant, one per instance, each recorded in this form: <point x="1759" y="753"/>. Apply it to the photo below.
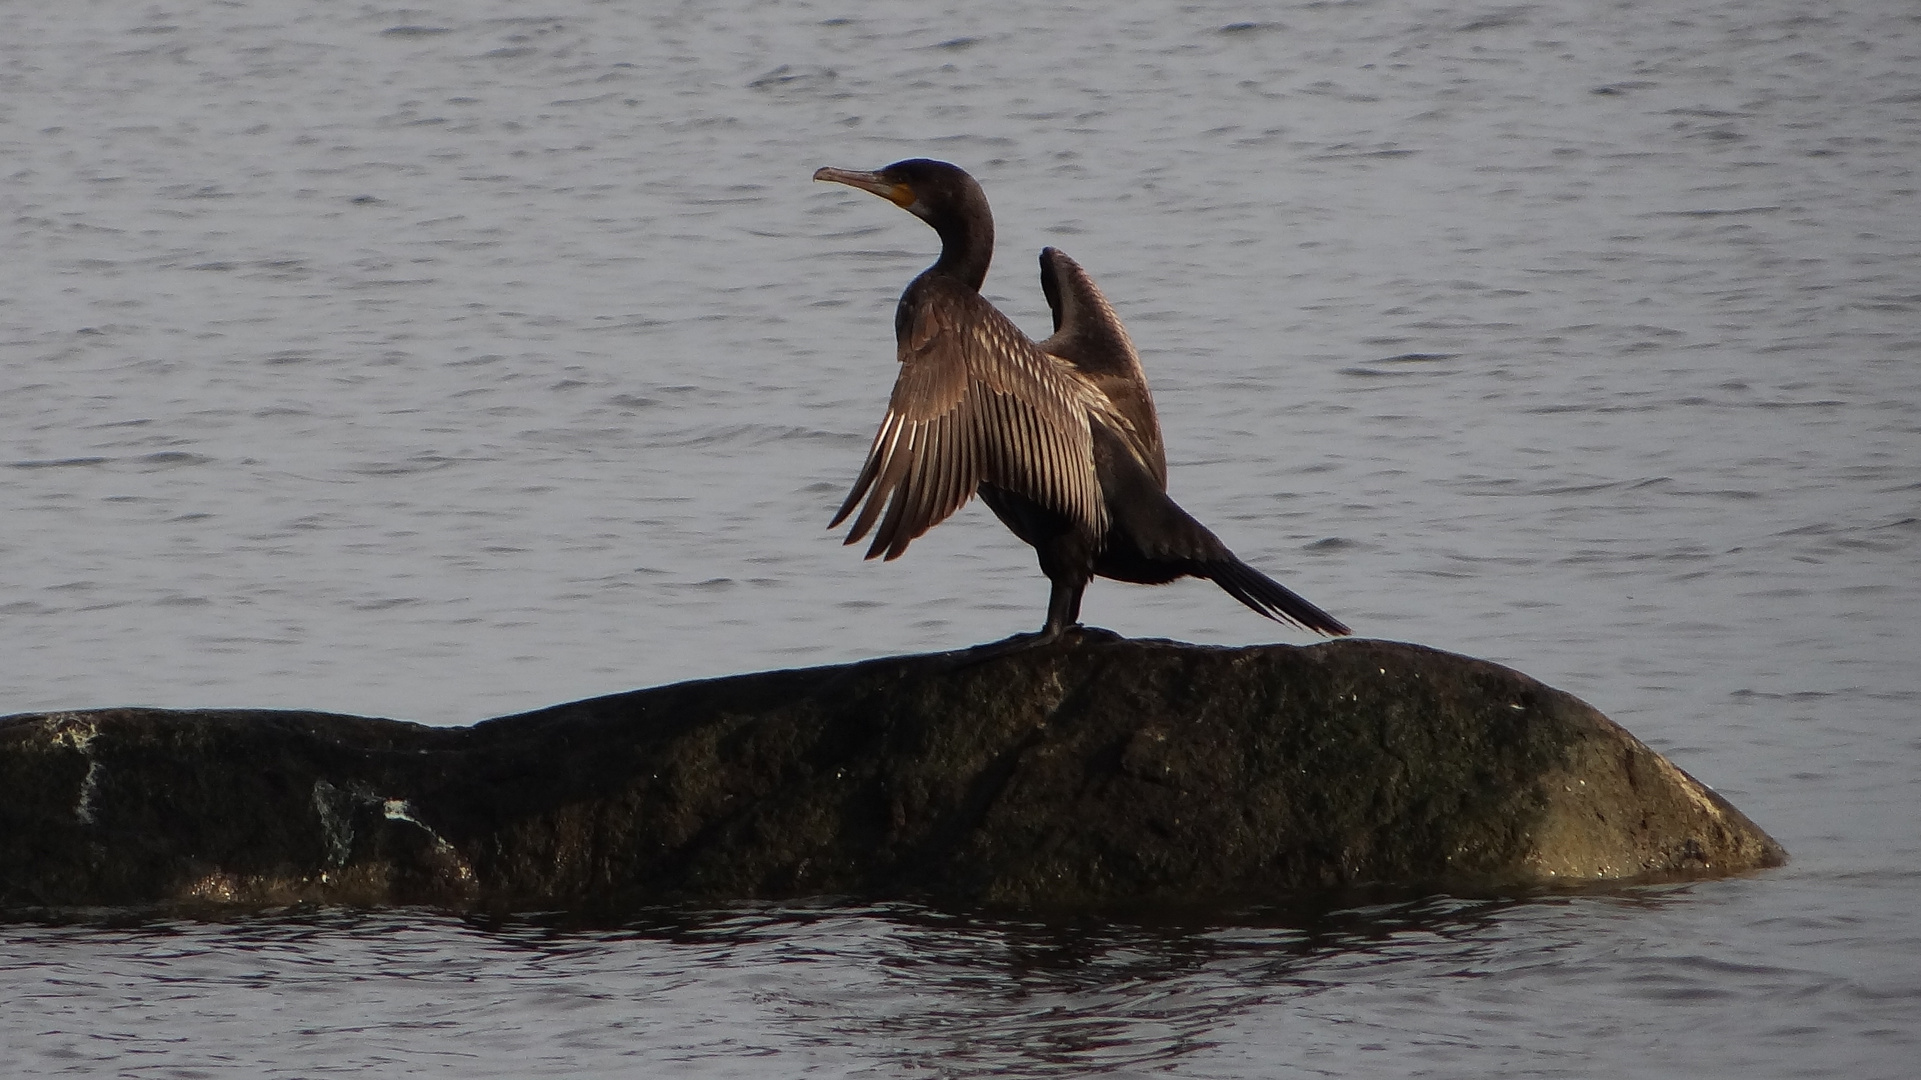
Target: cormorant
<point x="1060" y="438"/>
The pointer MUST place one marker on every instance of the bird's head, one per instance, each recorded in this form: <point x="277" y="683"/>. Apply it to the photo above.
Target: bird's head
<point x="930" y="190"/>
<point x="943" y="196"/>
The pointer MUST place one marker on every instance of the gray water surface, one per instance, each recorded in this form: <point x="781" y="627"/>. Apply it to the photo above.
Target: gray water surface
<point x="446" y="362"/>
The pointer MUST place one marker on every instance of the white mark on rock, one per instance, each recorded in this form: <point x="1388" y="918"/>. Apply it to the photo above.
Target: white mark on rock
<point x="88" y="786"/>
<point x="77" y="732"/>
<point x="402" y="810"/>
<point x="335" y="809"/>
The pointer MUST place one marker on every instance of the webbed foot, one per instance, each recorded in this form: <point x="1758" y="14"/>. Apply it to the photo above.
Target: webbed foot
<point x="1074" y="634"/>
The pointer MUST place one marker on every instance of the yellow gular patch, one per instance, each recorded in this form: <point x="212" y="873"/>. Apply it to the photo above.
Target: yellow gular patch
<point x="901" y="195"/>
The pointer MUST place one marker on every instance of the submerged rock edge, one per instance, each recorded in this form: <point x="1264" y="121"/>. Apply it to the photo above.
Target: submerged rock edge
<point x="1085" y="774"/>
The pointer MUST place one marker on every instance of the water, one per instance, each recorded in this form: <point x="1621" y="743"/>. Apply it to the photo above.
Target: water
<point x="444" y="362"/>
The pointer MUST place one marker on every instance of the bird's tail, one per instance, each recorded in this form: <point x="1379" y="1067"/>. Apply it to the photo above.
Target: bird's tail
<point x="1153" y="540"/>
<point x="1269" y="597"/>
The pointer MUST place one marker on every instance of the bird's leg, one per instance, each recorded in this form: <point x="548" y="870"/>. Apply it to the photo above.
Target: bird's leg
<point x="1063" y="615"/>
<point x="1063" y="604"/>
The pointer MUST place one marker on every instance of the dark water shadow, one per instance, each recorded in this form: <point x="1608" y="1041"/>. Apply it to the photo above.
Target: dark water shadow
<point x="972" y="992"/>
<point x="950" y="992"/>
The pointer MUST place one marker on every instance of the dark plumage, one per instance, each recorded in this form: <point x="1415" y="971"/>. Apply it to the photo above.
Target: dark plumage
<point x="1060" y="438"/>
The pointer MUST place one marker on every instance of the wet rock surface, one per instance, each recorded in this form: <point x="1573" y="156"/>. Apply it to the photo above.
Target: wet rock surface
<point x="1089" y="773"/>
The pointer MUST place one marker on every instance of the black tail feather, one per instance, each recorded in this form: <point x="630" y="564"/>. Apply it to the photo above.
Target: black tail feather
<point x="1270" y="597"/>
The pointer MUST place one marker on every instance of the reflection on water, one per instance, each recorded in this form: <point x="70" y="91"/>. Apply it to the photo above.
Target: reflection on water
<point x="1630" y="982"/>
<point x="961" y="993"/>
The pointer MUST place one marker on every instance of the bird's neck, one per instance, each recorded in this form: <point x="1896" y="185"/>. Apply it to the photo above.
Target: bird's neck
<point x="966" y="247"/>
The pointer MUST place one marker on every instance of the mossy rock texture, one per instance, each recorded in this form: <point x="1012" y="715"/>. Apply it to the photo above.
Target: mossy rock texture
<point x="1088" y="773"/>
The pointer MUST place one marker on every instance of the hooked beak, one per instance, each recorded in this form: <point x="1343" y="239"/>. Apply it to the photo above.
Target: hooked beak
<point x="900" y="195"/>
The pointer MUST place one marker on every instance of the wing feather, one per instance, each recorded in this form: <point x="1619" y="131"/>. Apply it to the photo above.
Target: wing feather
<point x="876" y="454"/>
<point x="896" y="506"/>
<point x="952" y="461"/>
<point x="917" y="490"/>
<point x="895" y="462"/>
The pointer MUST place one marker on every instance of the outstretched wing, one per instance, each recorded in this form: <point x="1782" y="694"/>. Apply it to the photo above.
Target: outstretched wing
<point x="1089" y="336"/>
<point x="976" y="402"/>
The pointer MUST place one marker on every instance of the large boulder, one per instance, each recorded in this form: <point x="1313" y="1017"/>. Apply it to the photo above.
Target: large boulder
<point x="1092" y="772"/>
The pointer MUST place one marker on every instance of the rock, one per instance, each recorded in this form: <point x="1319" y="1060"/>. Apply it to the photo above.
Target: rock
<point x="1090" y="773"/>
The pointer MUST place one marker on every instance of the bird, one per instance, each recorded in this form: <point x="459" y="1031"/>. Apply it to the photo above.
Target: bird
<point x="1059" y="438"/>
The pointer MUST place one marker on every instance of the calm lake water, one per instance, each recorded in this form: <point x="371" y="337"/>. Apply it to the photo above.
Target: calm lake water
<point x="449" y="361"/>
